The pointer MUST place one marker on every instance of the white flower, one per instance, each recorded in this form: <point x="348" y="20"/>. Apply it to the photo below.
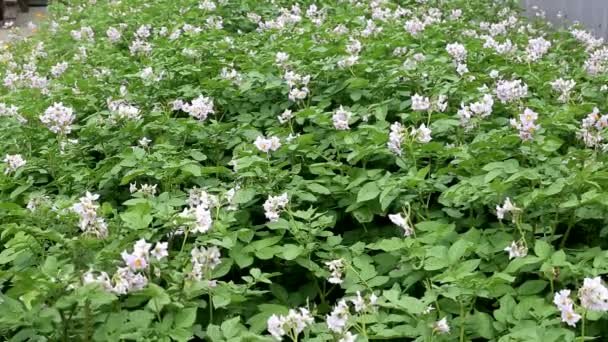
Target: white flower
<point x="275" y="327"/>
<point x="442" y="326"/>
<point x="401" y="221"/>
<point x="199" y="108"/>
<point x="202" y="219"/>
<point x="281" y="58"/>
<point x="414" y="26"/>
<point x="457" y="51"/>
<point x="564" y="87"/>
<point x="594" y="295"/>
<point x="267" y="144"/>
<point x="509" y="91"/>
<point x="336" y="320"/>
<point x="420" y="103"/>
<point x="395" y="137"/>
<point x="361" y="304"/>
<point x="89" y="223"/>
<point x="428" y="310"/>
<point x="135" y="262"/>
<point x="462" y="69"/>
<point x="204" y="260"/>
<point x="570" y="317"/>
<point x="423" y="134"/>
<point x="348" y="337"/>
<point x="562" y="299"/>
<point x="13" y="162"/>
<point x="113" y="34"/>
<point x="59" y="68"/>
<point x="526" y="124"/>
<point x="285" y="116"/>
<point x="144" y="142"/>
<point x="291" y="325"/>
<point x="341" y="118"/>
<point x="160" y="250"/>
<point x="537" y="47"/>
<point x="508" y="207"/>
<point x="442" y="103"/>
<point x="273" y="205"/>
<point x="516" y="250"/>
<point x="336" y="267"/>
<point x="58" y="118"/>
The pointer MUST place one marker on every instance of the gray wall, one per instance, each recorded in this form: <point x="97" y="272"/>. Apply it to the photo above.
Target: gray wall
<point x="592" y="13"/>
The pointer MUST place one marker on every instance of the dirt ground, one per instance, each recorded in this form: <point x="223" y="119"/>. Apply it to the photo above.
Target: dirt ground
<point x="35" y="15"/>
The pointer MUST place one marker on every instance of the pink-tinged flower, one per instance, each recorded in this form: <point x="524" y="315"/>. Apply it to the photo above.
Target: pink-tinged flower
<point x="134" y="262"/>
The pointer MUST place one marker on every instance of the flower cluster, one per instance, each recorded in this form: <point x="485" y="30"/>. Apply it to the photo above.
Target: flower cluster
<point x="481" y="109"/>
<point x="130" y="278"/>
<point x="510" y="91"/>
<point x="199" y="108"/>
<point x="341" y="118"/>
<point x="592" y="127"/>
<point x="420" y="103"/>
<point x="199" y="210"/>
<point x="593" y="296"/>
<point x="526" y="124"/>
<point x="145" y="189"/>
<point x="13" y="162"/>
<point x="298" y="85"/>
<point x="459" y="55"/>
<point x="395" y="138"/>
<point x="267" y="144"/>
<point x="537" y="48"/>
<point x="338" y="318"/>
<point x="122" y="111"/>
<point x="89" y="222"/>
<point x="290" y="325"/>
<point x="353" y="49"/>
<point x="336" y="267"/>
<point x="563" y="87"/>
<point x="204" y="260"/>
<point x="58" y="118"/>
<point x="11" y="111"/>
<point x="566" y="307"/>
<point x="274" y="205"/>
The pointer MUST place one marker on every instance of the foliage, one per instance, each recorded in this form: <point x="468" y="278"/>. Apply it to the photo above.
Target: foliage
<point x="298" y="208"/>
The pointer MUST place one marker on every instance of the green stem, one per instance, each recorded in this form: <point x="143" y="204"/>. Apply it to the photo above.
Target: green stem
<point x="210" y="308"/>
<point x="567" y="234"/>
<point x="185" y="239"/>
<point x="462" y="317"/>
<point x="583" y="326"/>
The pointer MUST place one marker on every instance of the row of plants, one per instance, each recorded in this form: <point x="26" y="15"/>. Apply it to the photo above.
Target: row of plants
<point x="418" y="170"/>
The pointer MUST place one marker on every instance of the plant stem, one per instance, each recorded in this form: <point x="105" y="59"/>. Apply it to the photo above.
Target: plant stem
<point x="462" y="317"/>
<point x="185" y="239"/>
<point x="583" y="326"/>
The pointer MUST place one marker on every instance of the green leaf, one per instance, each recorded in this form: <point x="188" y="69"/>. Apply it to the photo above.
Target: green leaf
<point x="290" y="252"/>
<point x="185" y="317"/>
<point x="368" y="192"/>
<point x="318" y="188"/>
<point x="542" y="249"/>
<point x="531" y="287"/>
<point x="457" y="250"/>
<point x="193" y="169"/>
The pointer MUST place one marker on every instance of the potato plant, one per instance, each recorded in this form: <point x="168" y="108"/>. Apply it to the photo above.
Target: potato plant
<point x="223" y="170"/>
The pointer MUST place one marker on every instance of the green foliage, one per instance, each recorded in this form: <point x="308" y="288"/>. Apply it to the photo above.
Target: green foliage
<point x="341" y="184"/>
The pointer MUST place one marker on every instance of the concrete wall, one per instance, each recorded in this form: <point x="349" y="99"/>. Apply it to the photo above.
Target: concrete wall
<point x="592" y="13"/>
